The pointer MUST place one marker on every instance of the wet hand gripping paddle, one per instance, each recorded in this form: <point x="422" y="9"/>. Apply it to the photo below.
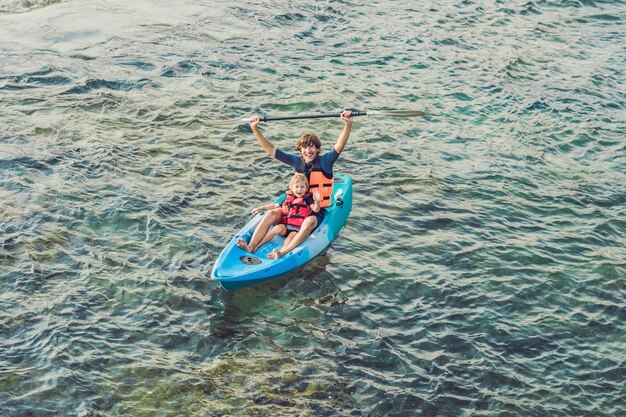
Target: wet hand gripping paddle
<point x="390" y="113"/>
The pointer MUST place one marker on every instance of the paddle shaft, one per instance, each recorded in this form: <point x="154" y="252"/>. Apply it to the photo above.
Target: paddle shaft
<point x="391" y="113"/>
<point x="309" y="116"/>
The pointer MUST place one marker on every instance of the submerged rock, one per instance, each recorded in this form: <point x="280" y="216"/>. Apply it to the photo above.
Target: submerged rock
<point x="257" y="385"/>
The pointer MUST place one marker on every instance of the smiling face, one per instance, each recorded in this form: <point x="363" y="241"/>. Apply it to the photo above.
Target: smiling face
<point x="298" y="184"/>
<point x="299" y="188"/>
<point x="309" y="147"/>
<point x="309" y="153"/>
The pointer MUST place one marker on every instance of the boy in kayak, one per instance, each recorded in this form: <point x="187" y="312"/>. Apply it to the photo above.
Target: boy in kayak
<point x="318" y="170"/>
<point x="299" y="203"/>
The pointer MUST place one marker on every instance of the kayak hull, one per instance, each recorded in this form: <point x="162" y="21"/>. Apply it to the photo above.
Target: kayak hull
<point x="235" y="268"/>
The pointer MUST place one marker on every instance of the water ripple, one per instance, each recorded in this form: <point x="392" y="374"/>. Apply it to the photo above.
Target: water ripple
<point x="482" y="268"/>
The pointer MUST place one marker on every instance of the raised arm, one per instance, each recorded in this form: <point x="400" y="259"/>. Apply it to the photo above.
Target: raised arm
<point x="346" y="116"/>
<point x="265" y="144"/>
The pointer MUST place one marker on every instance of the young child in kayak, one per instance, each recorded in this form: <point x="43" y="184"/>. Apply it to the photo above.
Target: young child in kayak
<point x="299" y="203"/>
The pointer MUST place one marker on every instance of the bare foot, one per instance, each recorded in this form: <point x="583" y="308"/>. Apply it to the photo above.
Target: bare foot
<point x="274" y="254"/>
<point x="243" y="245"/>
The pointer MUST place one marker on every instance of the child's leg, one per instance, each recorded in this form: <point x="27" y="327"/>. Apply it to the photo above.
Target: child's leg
<point x="270" y="217"/>
<point x="275" y="254"/>
<point x="288" y="240"/>
<point x="279" y="229"/>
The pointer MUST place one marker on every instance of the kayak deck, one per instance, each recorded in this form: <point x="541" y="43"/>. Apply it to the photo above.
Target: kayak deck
<point x="236" y="268"/>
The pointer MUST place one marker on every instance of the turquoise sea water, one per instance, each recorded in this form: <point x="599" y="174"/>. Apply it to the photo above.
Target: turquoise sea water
<point x="482" y="270"/>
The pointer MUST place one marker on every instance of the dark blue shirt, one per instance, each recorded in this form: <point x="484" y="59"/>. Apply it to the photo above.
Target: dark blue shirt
<point x="297" y="163"/>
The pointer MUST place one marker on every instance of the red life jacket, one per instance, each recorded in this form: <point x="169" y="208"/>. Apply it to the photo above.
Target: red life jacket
<point x="295" y="210"/>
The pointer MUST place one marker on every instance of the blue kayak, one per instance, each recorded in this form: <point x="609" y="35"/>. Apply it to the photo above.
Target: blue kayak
<point x="236" y="268"/>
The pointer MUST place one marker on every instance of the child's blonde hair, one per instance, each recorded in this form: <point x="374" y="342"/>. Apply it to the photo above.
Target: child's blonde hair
<point x="298" y="177"/>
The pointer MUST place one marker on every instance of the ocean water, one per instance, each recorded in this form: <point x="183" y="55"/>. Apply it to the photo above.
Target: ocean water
<point x="481" y="272"/>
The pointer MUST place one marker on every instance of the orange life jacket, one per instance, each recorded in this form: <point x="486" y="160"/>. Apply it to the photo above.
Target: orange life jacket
<point x="319" y="180"/>
<point x="295" y="210"/>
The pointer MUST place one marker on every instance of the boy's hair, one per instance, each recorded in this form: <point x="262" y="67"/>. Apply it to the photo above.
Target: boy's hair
<point x="298" y="177"/>
<point x="308" y="139"/>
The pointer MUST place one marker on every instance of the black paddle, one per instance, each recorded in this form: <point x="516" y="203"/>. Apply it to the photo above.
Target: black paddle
<point x="392" y="113"/>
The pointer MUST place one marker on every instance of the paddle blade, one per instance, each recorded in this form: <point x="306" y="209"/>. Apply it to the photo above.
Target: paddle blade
<point x="397" y="113"/>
